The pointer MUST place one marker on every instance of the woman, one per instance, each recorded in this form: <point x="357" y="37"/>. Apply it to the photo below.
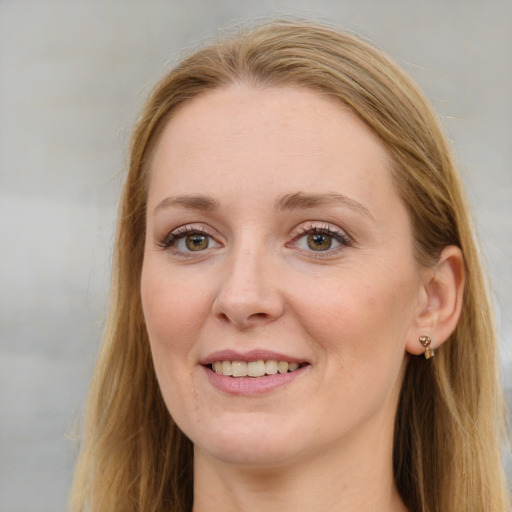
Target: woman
<point x="293" y="247"/>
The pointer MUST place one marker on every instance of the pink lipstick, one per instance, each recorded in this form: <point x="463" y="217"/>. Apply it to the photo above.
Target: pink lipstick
<point x="251" y="373"/>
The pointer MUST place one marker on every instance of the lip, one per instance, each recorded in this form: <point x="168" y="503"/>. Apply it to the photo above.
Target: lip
<point x="252" y="355"/>
<point x="251" y="386"/>
<point x="247" y="386"/>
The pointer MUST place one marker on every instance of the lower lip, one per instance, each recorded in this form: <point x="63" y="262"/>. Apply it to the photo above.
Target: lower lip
<point x="247" y="386"/>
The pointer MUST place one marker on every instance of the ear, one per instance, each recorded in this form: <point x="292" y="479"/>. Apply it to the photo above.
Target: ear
<point x="441" y="302"/>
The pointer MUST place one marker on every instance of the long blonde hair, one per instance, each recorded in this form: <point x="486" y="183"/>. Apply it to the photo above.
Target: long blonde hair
<point x="449" y="426"/>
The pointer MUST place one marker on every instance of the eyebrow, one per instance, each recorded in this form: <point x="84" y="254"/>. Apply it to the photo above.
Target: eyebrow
<point x="295" y="201"/>
<point x="191" y="202"/>
<point x="300" y="200"/>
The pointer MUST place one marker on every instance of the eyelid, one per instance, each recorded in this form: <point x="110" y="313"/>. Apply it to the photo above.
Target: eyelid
<point x="319" y="226"/>
<point x="344" y="240"/>
<point x="168" y="241"/>
<point x="338" y="234"/>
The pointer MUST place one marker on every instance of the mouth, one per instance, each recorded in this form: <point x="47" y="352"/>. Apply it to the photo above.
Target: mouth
<point x="259" y="368"/>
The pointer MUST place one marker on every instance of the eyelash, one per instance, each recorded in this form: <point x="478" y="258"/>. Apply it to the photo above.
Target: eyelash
<point x="178" y="234"/>
<point x="169" y="241"/>
<point x="336" y="234"/>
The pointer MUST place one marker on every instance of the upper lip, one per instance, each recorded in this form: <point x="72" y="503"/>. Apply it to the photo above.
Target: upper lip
<point x="252" y="355"/>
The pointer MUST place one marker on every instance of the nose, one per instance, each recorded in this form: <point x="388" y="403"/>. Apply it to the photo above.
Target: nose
<point x="248" y="293"/>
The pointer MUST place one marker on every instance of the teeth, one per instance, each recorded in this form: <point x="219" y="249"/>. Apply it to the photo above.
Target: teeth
<point x="225" y="368"/>
<point x="253" y="368"/>
<point x="282" y="367"/>
<point x="239" y="368"/>
<point x="271" y="367"/>
<point x="256" y="368"/>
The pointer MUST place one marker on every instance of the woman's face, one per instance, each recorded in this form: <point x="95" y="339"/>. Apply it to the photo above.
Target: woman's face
<point x="275" y="239"/>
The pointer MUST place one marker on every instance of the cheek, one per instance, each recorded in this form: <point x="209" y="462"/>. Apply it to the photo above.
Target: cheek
<point x="172" y="313"/>
<point x="172" y="317"/>
<point x="360" y="315"/>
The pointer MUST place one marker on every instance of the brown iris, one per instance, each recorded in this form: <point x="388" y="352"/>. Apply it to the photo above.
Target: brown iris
<point x="196" y="242"/>
<point x="319" y="241"/>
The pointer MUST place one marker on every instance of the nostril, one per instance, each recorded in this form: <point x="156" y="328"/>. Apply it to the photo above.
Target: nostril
<point x="259" y="315"/>
<point x="223" y="317"/>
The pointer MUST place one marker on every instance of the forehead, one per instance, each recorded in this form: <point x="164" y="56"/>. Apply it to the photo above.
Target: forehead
<point x="275" y="139"/>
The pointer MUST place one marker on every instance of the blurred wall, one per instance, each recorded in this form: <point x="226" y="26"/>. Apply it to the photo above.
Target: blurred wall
<point x="73" y="75"/>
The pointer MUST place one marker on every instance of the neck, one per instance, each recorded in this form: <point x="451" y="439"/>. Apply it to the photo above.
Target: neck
<point x="359" y="479"/>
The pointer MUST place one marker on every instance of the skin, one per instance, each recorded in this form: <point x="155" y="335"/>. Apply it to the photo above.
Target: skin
<point x="324" y="440"/>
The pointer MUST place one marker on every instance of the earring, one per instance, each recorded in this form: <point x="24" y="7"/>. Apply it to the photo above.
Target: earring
<point x="426" y="341"/>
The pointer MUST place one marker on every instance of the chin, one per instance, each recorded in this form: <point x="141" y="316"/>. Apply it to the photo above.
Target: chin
<point x="253" y="456"/>
<point x="250" y="443"/>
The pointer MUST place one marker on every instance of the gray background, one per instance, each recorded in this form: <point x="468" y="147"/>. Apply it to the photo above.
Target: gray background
<point x="73" y="75"/>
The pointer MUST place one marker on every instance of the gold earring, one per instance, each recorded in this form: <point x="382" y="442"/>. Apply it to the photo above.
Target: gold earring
<point x="426" y="341"/>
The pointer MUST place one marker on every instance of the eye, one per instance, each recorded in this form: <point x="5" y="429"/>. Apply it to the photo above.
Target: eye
<point x="320" y="239"/>
<point x="193" y="242"/>
<point x="187" y="239"/>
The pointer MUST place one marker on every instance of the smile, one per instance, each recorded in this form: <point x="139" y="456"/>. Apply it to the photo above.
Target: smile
<point x="258" y="368"/>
